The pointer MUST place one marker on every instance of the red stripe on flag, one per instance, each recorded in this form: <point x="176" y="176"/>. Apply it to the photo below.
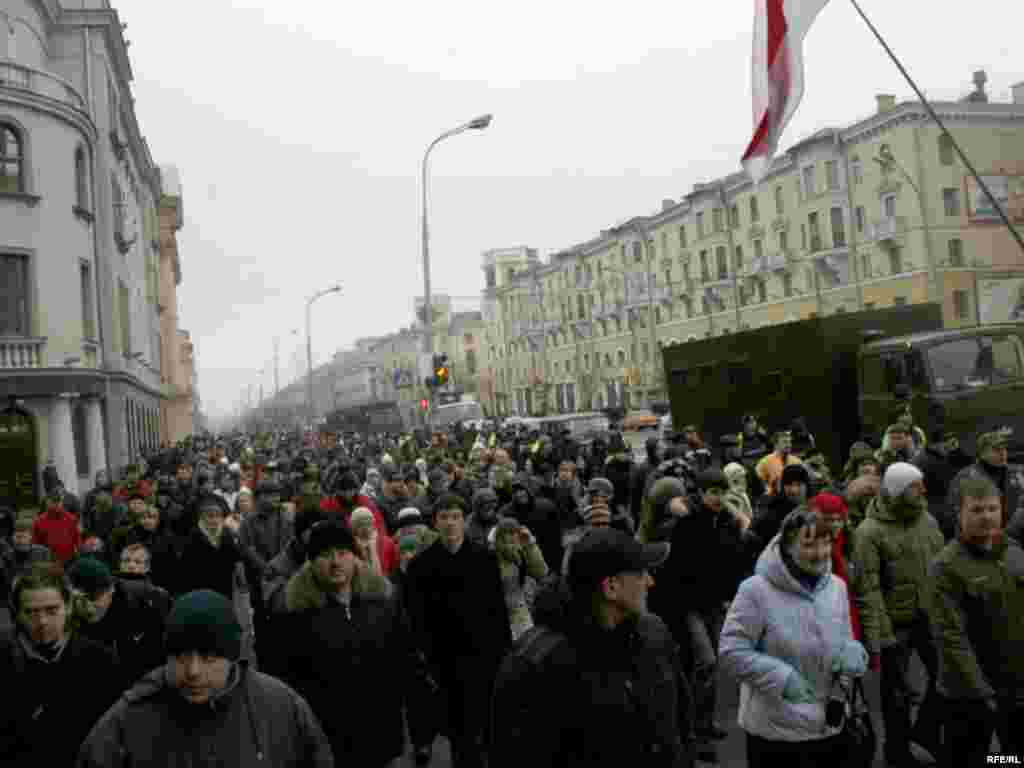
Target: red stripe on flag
<point x="777" y="29"/>
<point x="778" y="81"/>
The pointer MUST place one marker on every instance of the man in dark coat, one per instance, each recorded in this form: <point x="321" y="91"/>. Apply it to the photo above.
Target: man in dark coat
<point x="457" y="607"/>
<point x="56" y="685"/>
<point x="118" y="619"/>
<point x="773" y="509"/>
<point x="610" y="691"/>
<point x="204" y="707"/>
<point x="993" y="462"/>
<point x="212" y="550"/>
<point x="538" y="514"/>
<point x="346" y="633"/>
<point x="939" y="462"/>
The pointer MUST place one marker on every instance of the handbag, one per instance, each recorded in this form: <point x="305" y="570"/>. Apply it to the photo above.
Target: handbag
<point x="858" y="741"/>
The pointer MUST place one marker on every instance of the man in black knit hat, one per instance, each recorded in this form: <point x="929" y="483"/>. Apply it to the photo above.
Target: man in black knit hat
<point x="206" y="706"/>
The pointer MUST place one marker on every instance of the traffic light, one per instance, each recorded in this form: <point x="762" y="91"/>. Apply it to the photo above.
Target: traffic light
<point x="441" y="370"/>
<point x="424" y="404"/>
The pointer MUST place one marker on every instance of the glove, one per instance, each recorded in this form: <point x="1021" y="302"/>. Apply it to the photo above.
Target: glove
<point x="798" y="690"/>
<point x="875" y="662"/>
<point x="852" y="659"/>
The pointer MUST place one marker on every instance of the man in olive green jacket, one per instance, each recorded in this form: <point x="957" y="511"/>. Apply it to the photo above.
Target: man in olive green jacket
<point x="892" y="588"/>
<point x="978" y="616"/>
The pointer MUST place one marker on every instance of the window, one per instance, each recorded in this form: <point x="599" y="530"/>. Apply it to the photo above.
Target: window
<point x="700" y="225"/>
<point x="815" y="232"/>
<point x="809" y="181"/>
<point x="831" y="175"/>
<point x="838" y="228"/>
<point x="803" y="237"/>
<point x="895" y="261"/>
<point x="568" y="366"/>
<point x="734" y="216"/>
<point x="787" y="285"/>
<point x="857" y="170"/>
<point x="889" y="206"/>
<point x="124" y="307"/>
<point x="722" y="263"/>
<point x="80" y="438"/>
<point x="780" y="207"/>
<point x="81" y="180"/>
<point x="755" y="212"/>
<point x="638" y="252"/>
<point x="682" y="236"/>
<point x="716" y="219"/>
<point x="865" y="266"/>
<point x="975" y="362"/>
<point x="14" y="306"/>
<point x="581" y="311"/>
<point x="12" y="160"/>
<point x="961" y="305"/>
<point x="758" y="249"/>
<point x="705" y="273"/>
<point x="956" y="252"/>
<point x="783" y="241"/>
<point x="88" y="317"/>
<point x="739" y="259"/>
<point x="858" y="214"/>
<point x="645" y="352"/>
<point x="945" y="150"/>
<point x="471" y="362"/>
<point x="586" y="361"/>
<point x="119" y="205"/>
<point x="762" y="291"/>
<point x="951" y="201"/>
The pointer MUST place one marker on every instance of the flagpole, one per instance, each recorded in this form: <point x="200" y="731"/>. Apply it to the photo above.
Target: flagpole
<point x="942" y="127"/>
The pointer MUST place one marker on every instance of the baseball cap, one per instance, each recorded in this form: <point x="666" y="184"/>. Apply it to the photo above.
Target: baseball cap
<point x="607" y="552"/>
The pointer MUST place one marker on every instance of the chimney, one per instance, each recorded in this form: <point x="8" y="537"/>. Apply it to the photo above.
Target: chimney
<point x="886" y="102"/>
<point x="1018" y="93"/>
<point x="667" y="203"/>
<point x="980" y="78"/>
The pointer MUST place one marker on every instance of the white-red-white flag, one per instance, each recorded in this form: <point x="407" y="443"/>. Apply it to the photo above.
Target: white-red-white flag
<point x="778" y="74"/>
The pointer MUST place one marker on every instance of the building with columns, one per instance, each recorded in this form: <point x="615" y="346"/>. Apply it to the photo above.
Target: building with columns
<point x="877" y="213"/>
<point x="79" y="251"/>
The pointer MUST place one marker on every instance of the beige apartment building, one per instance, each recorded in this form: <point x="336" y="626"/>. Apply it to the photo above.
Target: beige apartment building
<point x="881" y="212"/>
<point x="176" y="349"/>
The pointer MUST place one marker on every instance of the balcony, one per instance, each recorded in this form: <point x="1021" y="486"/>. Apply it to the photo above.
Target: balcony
<point x="889" y="229"/>
<point x="21" y="352"/>
<point x="50" y="86"/>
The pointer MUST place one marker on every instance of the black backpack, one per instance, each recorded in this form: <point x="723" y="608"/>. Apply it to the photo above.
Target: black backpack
<point x="518" y="683"/>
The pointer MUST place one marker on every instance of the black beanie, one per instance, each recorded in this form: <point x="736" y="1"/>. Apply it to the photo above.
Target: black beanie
<point x="348" y="482"/>
<point x="203" y="622"/>
<point x="795" y="473"/>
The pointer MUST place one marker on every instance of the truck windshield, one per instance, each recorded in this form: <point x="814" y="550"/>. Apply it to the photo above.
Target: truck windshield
<point x="973" y="362"/>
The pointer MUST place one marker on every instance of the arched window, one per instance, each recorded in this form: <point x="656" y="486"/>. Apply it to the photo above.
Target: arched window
<point x="12" y="159"/>
<point x="81" y="180"/>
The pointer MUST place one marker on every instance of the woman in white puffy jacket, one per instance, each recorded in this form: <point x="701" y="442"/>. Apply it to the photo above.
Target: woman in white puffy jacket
<point x="787" y="640"/>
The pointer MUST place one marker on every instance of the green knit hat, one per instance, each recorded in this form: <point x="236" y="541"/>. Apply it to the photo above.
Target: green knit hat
<point x="203" y="622"/>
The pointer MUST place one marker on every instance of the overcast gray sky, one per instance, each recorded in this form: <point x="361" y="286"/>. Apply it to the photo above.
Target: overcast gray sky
<point x="298" y="130"/>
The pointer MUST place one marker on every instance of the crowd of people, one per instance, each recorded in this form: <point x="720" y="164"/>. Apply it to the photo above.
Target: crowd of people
<point x="301" y="599"/>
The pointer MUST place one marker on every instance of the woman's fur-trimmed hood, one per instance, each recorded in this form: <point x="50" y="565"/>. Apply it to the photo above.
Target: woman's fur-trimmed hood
<point x="304" y="592"/>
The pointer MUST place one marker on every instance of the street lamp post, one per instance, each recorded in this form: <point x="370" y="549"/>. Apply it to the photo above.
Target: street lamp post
<point x="887" y="161"/>
<point x="477" y="124"/>
<point x="309" y="347"/>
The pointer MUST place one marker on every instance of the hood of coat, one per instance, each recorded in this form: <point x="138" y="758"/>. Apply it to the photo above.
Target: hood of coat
<point x="304" y="591"/>
<point x="899" y="509"/>
<point x="773" y="569"/>
<point x="155" y="683"/>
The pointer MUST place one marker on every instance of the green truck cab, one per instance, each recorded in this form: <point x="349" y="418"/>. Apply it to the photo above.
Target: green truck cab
<point x="850" y="375"/>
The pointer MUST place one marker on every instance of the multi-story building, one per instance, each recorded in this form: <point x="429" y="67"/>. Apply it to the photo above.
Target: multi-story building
<point x="177" y="410"/>
<point x="878" y="213"/>
<point x="79" y="250"/>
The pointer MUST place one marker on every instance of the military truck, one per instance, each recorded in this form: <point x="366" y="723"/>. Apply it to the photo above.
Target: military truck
<point x="850" y="375"/>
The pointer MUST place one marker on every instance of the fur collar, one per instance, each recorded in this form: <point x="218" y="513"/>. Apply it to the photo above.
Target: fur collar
<point x="304" y="592"/>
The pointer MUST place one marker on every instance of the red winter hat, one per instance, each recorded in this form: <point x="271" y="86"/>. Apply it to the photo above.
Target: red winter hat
<point x="829" y="505"/>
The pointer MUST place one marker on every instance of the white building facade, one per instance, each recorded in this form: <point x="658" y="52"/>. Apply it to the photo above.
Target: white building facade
<point x="79" y="251"/>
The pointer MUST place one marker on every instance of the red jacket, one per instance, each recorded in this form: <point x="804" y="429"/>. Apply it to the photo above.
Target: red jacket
<point x="58" y="533"/>
<point x="387" y="551"/>
<point x="834" y="506"/>
<point x="333" y="504"/>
